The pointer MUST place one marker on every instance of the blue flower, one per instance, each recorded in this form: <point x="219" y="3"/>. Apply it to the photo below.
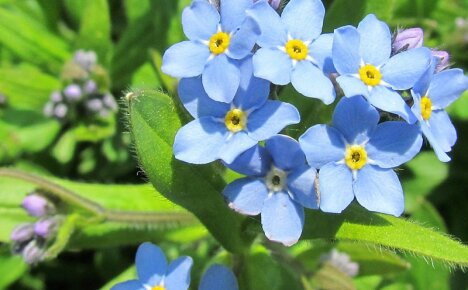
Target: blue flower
<point x="279" y="184"/>
<point x="292" y="49"/>
<point x="223" y="131"/>
<point x="431" y="95"/>
<point x="216" y="40"/>
<point x="362" y="58"/>
<point x="356" y="155"/>
<point x="218" y="277"/>
<point x="155" y="274"/>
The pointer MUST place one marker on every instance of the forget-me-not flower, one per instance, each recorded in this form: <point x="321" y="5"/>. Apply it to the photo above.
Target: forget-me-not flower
<point x="223" y="131"/>
<point x="292" y="49"/>
<point x="431" y="95"/>
<point x="218" y="277"/>
<point x="355" y="157"/>
<point x="362" y="58"/>
<point x="216" y="40"/>
<point x="279" y="184"/>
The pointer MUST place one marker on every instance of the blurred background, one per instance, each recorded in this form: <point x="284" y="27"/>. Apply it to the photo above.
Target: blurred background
<point x="65" y="66"/>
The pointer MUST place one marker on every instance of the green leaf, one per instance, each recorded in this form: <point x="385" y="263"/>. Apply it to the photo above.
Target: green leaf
<point x="380" y="230"/>
<point x="12" y="268"/>
<point x="153" y="124"/>
<point x="64" y="149"/>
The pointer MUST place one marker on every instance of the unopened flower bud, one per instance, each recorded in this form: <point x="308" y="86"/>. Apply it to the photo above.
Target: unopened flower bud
<point x="22" y="233"/>
<point x="46" y="227"/>
<point x="86" y="59"/>
<point x="73" y="92"/>
<point x="94" y="105"/>
<point x="444" y="59"/>
<point x="37" y="205"/>
<point x="110" y="102"/>
<point x="49" y="109"/>
<point x="408" y="39"/>
<point x="33" y="253"/>
<point x="56" y="97"/>
<point x="342" y="262"/>
<point x="273" y="3"/>
<point x="60" y="111"/>
<point x="90" y="87"/>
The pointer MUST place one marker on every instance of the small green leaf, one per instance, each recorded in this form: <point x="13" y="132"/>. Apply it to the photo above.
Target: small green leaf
<point x="11" y="267"/>
<point x="64" y="149"/>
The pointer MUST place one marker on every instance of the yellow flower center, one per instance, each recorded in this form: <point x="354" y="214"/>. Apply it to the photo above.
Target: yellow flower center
<point x="426" y="107"/>
<point x="296" y="49"/>
<point x="235" y="120"/>
<point x="219" y="42"/>
<point x="158" y="288"/>
<point x="370" y="75"/>
<point x="355" y="157"/>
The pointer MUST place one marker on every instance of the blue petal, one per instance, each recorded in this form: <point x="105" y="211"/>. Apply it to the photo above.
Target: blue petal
<point x="200" y="20"/>
<point x="282" y="219"/>
<point x="246" y="195"/>
<point x="234" y="145"/>
<point x="273" y="31"/>
<point x="422" y="85"/>
<point x="379" y="190"/>
<point x="304" y="18"/>
<point x="151" y="264"/>
<point x="253" y="92"/>
<point x="404" y="69"/>
<point x="243" y="40"/>
<point x="310" y="81"/>
<point x="254" y="162"/>
<point x="442" y="129"/>
<point x="322" y="144"/>
<point x="218" y="277"/>
<point x="355" y="119"/>
<point x="286" y="152"/>
<point x="352" y="86"/>
<point x="273" y="65"/>
<point x="336" y="187"/>
<point x="129" y="285"/>
<point x="434" y="142"/>
<point x="185" y="59"/>
<point x="388" y="100"/>
<point x="301" y="184"/>
<point x="321" y="51"/>
<point x="270" y="119"/>
<point x="446" y="87"/>
<point x="345" y="51"/>
<point x="197" y="102"/>
<point x="387" y="151"/>
<point x="221" y="79"/>
<point x="233" y="13"/>
<point x="376" y="40"/>
<point x="200" y="141"/>
<point x="178" y="274"/>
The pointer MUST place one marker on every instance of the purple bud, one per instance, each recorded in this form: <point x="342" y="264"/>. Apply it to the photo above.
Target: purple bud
<point x="22" y="233"/>
<point x="86" y="59"/>
<point x="110" y="102"/>
<point x="444" y="59"/>
<point x="273" y="3"/>
<point x="341" y="261"/>
<point x="46" y="227"/>
<point x="73" y="92"/>
<point x="408" y="39"/>
<point x="37" y="205"/>
<point x="90" y="87"/>
<point x="32" y="253"/>
<point x="94" y="105"/>
<point x="60" y="111"/>
<point x="49" y="109"/>
<point x="56" y="97"/>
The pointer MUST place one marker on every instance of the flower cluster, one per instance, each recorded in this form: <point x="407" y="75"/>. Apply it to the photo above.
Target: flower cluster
<point x="31" y="239"/>
<point x="394" y="93"/>
<point x="155" y="274"/>
<point x="82" y="96"/>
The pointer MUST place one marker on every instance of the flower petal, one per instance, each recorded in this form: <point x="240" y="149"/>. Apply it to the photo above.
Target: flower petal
<point x="301" y="184"/>
<point x="246" y="195"/>
<point x="434" y="142"/>
<point x="233" y="13"/>
<point x="253" y="92"/>
<point x="270" y="119"/>
<point x="387" y="151"/>
<point x="273" y="30"/>
<point x="310" y="81"/>
<point x="422" y="85"/>
<point x="254" y="162"/>
<point x="379" y="190"/>
<point x="200" y="141"/>
<point x="443" y="129"/>
<point x="218" y="277"/>
<point x="388" y="100"/>
<point x="322" y="144"/>
<point x="185" y="59"/>
<point x="376" y="40"/>
<point x="221" y="79"/>
<point x="352" y="86"/>
<point x="279" y="73"/>
<point x="243" y="40"/>
<point x="355" y="119"/>
<point x="303" y="18"/>
<point x="447" y="86"/>
<point x="234" y="145"/>
<point x="197" y="102"/>
<point x="151" y="264"/>
<point x="336" y="187"/>
<point x="200" y="20"/>
<point x="321" y="51"/>
<point x="345" y="50"/>
<point x="285" y="151"/>
<point x="178" y="274"/>
<point x="282" y="219"/>
<point x="129" y="285"/>
<point x="404" y="69"/>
